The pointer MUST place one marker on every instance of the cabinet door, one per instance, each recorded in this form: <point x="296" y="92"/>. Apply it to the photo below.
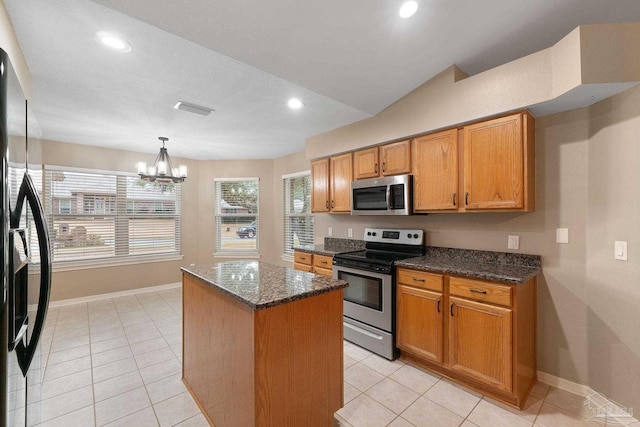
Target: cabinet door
<point x="419" y="322"/>
<point x="320" y="186"/>
<point x="340" y="187"/>
<point x="435" y="172"/>
<point x="480" y="342"/>
<point x="494" y="164"/>
<point x="365" y="164"/>
<point x="396" y="158"/>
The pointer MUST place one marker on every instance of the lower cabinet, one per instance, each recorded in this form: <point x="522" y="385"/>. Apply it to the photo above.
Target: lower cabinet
<point x="479" y="333"/>
<point x="318" y="264"/>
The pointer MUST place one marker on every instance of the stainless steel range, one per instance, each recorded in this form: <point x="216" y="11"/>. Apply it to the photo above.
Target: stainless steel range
<point x="369" y="300"/>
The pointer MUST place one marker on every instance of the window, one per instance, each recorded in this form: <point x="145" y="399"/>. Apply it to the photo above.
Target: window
<point x="109" y="216"/>
<point x="236" y="215"/>
<point x="298" y="220"/>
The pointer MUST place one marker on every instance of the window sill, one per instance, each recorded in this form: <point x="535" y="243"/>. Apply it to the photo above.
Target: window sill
<point x="236" y="255"/>
<point x="87" y="265"/>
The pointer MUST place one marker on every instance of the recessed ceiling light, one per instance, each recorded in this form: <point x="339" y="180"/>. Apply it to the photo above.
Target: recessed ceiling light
<point x="113" y="42"/>
<point x="408" y="9"/>
<point x="294" y="103"/>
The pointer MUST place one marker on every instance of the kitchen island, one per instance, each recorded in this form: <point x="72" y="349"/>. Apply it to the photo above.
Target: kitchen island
<point x="262" y="344"/>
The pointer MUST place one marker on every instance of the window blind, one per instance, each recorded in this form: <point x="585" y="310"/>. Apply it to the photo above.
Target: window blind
<point x="110" y="216"/>
<point x="298" y="219"/>
<point x="237" y="215"/>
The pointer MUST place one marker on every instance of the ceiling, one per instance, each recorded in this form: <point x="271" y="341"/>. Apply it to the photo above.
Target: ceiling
<point x="346" y="60"/>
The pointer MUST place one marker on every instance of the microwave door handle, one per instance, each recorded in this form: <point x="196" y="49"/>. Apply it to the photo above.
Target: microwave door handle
<point x="389" y="198"/>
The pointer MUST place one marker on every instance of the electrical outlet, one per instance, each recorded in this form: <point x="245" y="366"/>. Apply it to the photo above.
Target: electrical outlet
<point x="330" y="232"/>
<point x="513" y="242"/>
<point x="350" y="232"/>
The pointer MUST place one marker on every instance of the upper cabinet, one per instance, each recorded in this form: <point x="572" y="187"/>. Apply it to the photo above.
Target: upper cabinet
<point x="486" y="166"/>
<point x="499" y="164"/>
<point x="331" y="184"/>
<point x="435" y="172"/>
<point x="386" y="160"/>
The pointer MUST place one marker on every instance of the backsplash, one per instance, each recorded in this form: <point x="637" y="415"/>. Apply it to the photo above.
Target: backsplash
<point x="486" y="257"/>
<point x="343" y="245"/>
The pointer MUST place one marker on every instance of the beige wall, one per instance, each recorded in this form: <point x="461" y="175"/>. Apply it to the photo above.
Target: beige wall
<point x="9" y="43"/>
<point x="587" y="180"/>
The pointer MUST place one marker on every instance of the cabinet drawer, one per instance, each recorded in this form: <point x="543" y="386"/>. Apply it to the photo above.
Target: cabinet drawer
<point x="420" y="279"/>
<point x="323" y="271"/>
<point x="302" y="267"/>
<point x="323" y="261"/>
<point x="302" y="258"/>
<point x="481" y="291"/>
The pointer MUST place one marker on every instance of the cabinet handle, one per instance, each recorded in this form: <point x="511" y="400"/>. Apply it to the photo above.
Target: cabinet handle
<point x="375" y="168"/>
<point x="438" y="305"/>
<point x="383" y="166"/>
<point x="332" y="204"/>
<point x="478" y="291"/>
<point x="323" y="262"/>
<point x="466" y="198"/>
<point x="327" y="204"/>
<point x="451" y="309"/>
<point x="454" y="199"/>
<point x="416" y="279"/>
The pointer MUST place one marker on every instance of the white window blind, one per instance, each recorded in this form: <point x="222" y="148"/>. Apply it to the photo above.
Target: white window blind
<point x="298" y="219"/>
<point x="236" y="214"/>
<point x="108" y="216"/>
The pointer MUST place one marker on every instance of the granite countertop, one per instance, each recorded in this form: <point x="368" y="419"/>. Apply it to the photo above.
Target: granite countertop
<point x="332" y="246"/>
<point x="260" y="285"/>
<point x="498" y="266"/>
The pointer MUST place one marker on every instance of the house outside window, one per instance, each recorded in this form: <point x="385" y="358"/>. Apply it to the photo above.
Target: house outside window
<point x="237" y="216"/>
<point x="298" y="219"/>
<point x="109" y="217"/>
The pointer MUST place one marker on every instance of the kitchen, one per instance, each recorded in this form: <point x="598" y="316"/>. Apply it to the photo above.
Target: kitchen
<point x="586" y="299"/>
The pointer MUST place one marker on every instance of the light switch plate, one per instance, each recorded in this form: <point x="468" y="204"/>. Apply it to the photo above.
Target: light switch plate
<point x="350" y="232"/>
<point x="562" y="235"/>
<point x="513" y="242"/>
<point x="330" y="231"/>
<point x="620" y="250"/>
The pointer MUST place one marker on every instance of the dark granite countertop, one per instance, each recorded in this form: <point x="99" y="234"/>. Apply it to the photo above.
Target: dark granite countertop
<point x="261" y="285"/>
<point x="498" y="266"/>
<point x="332" y="246"/>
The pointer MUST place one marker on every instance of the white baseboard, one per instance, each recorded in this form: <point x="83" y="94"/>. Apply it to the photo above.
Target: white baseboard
<point x="566" y="385"/>
<point x="109" y="295"/>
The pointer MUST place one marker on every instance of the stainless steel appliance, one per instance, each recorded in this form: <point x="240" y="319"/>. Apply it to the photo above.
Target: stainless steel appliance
<point x="369" y="300"/>
<point x="24" y="301"/>
<point x="389" y="195"/>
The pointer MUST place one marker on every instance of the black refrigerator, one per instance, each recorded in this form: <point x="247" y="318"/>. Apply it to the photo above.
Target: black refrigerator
<point x="26" y="263"/>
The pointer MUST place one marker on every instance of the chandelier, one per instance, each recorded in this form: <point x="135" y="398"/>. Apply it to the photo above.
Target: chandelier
<point x="162" y="170"/>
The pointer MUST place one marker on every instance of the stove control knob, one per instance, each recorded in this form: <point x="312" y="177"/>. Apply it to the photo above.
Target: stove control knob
<point x="415" y="236"/>
<point x="409" y="236"/>
<point x="373" y="234"/>
<point x="368" y="233"/>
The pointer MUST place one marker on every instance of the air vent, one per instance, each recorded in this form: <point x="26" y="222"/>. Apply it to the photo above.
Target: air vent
<point x="192" y="108"/>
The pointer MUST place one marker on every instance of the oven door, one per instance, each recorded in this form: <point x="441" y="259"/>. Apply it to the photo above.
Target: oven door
<point x="369" y="296"/>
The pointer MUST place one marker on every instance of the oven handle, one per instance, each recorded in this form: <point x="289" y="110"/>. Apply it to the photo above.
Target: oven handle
<point x="388" y="195"/>
<point x="362" y="331"/>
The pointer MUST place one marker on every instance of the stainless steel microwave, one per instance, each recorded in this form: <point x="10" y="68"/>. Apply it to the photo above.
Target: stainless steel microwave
<point x="389" y="195"/>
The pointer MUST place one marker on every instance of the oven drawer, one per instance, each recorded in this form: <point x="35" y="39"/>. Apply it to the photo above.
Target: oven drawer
<point x="420" y="279"/>
<point x="481" y="291"/>
<point x="373" y="339"/>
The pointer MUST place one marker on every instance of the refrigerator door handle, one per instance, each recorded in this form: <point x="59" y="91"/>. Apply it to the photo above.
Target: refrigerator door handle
<point x="26" y="352"/>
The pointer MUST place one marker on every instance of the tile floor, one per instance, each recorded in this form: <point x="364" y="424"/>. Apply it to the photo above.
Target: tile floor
<point x="116" y="362"/>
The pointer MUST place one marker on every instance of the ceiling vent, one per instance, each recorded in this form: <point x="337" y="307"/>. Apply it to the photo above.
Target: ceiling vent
<point x="192" y="108"/>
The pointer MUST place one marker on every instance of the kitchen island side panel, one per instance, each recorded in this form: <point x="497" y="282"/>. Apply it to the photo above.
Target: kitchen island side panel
<point x="299" y="366"/>
<point x="217" y="354"/>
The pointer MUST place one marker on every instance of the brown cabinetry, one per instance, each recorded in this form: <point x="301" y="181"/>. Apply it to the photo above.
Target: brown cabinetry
<point x="331" y="184"/>
<point x="386" y="160"/>
<point x="486" y="166"/>
<point x="478" y="332"/>
<point x="317" y="264"/>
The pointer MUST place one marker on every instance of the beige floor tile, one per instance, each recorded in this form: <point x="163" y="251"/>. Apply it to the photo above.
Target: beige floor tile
<point x="173" y="338"/>
<point x="81" y="418"/>
<point x="67" y="355"/>
<point x="400" y="422"/>
<point x="65" y="384"/>
<point x="168" y="320"/>
<point x="149" y="345"/>
<point x="362" y="377"/>
<point x="347" y="361"/>
<point x="117" y="385"/>
<point x="426" y="413"/>
<point x="363" y="411"/>
<point x="66" y="403"/>
<point x="355" y="352"/>
<point x="414" y="379"/>
<point x="166" y="388"/>
<point x="143" y="336"/>
<point x="453" y="398"/>
<point x="171" y="329"/>
<point x="350" y="392"/>
<point x="529" y="412"/>
<point x="539" y="390"/>
<point x="161" y="370"/>
<point x="76" y="341"/>
<point x="99" y="347"/>
<point x="143" y="418"/>
<point x="122" y="405"/>
<point x="384" y="366"/>
<point x="568" y="401"/>
<point x="111" y="356"/>
<point x="67" y="368"/>
<point x="153" y="357"/>
<point x="486" y="414"/>
<point x="468" y="423"/>
<point x="392" y="395"/>
<point x="552" y="416"/>
<point x="175" y="409"/>
<point x="115" y="369"/>
<point x="106" y="334"/>
<point x="197" y="421"/>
